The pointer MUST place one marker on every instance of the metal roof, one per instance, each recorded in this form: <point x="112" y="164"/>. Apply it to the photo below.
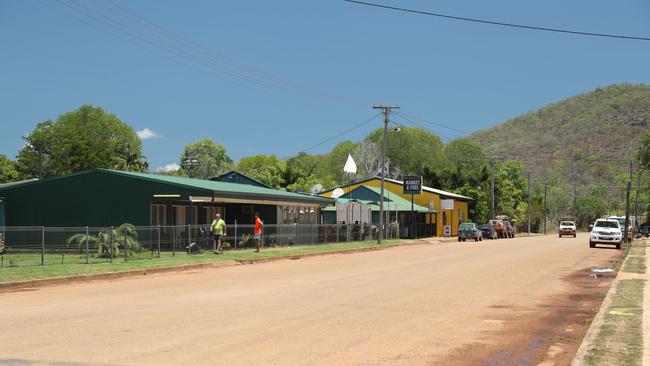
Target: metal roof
<point x="440" y="192"/>
<point x="392" y="203"/>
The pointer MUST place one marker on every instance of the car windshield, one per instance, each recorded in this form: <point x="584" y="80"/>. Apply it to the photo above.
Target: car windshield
<point x="612" y="224"/>
<point x="566" y="223"/>
<point x="486" y="226"/>
<point x="466" y="226"/>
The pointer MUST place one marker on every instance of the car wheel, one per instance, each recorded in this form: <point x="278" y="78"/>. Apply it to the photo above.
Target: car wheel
<point x="459" y="238"/>
<point x="559" y="235"/>
<point x="480" y="238"/>
<point x="591" y="244"/>
<point x="574" y="235"/>
<point x="618" y="246"/>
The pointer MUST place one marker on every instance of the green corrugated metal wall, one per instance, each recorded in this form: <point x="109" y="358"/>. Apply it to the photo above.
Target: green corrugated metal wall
<point x="64" y="201"/>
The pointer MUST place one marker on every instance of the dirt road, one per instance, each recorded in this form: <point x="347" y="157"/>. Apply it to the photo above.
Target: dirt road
<point x="511" y="301"/>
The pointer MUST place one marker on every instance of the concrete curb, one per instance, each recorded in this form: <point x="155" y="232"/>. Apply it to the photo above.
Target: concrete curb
<point x="21" y="285"/>
<point x="594" y="328"/>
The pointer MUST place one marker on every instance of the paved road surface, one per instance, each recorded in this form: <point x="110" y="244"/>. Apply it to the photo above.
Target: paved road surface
<point x="414" y="305"/>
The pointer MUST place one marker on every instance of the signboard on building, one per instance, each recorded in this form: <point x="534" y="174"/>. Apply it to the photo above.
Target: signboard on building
<point x="413" y="184"/>
<point x="446" y="204"/>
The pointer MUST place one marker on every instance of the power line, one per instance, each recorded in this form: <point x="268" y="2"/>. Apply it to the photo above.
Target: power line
<point x="176" y="46"/>
<point x="334" y="137"/>
<point x="502" y="24"/>
<point x="411" y="118"/>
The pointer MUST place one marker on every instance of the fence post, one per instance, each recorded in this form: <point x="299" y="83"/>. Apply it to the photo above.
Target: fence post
<point x="110" y="247"/>
<point x="87" y="239"/>
<point x="173" y="241"/>
<point x="42" y="245"/>
<point x="126" y="249"/>
<point x="158" y="241"/>
<point x="325" y="230"/>
<point x="337" y="233"/>
<point x="235" y="234"/>
<point x="296" y="240"/>
<point x="189" y="239"/>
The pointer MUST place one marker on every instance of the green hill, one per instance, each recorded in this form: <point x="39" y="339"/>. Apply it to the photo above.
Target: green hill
<point x="579" y="136"/>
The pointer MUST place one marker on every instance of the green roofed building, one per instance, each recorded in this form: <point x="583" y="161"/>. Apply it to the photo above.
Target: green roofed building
<point x="103" y="197"/>
<point x="349" y="209"/>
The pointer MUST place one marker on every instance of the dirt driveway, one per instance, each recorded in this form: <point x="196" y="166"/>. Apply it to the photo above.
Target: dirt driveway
<point x="510" y="301"/>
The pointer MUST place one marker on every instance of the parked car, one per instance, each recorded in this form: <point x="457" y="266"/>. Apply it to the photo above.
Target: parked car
<point x="488" y="231"/>
<point x="621" y="222"/>
<point x="606" y="231"/>
<point x="567" y="228"/>
<point x="499" y="227"/>
<point x="469" y="230"/>
<point x="509" y="228"/>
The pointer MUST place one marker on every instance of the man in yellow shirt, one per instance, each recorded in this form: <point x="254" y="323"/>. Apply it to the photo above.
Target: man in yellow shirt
<point x="218" y="227"/>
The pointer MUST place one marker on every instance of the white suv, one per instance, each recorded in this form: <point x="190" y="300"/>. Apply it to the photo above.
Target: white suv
<point x="567" y="228"/>
<point x="606" y="231"/>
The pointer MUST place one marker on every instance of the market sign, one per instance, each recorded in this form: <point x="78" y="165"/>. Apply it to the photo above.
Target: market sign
<point x="413" y="184"/>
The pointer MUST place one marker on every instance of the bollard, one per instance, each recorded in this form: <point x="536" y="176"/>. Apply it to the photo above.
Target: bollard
<point x="42" y="245"/>
<point x="126" y="249"/>
<point x="87" y="240"/>
<point x="235" y="234"/>
<point x="158" y="241"/>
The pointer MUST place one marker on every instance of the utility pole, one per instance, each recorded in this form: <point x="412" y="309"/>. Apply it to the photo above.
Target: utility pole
<point x="545" y="209"/>
<point x="636" y="199"/>
<point x="627" y="205"/>
<point x="528" y="203"/>
<point x="387" y="109"/>
<point x="492" y="183"/>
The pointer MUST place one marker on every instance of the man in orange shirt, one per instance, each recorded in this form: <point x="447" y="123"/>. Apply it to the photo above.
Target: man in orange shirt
<point x="257" y="234"/>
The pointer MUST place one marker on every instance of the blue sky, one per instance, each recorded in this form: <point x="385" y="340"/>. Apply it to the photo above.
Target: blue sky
<point x="463" y="75"/>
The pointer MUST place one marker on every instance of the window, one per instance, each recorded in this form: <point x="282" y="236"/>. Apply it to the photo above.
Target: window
<point x="158" y="215"/>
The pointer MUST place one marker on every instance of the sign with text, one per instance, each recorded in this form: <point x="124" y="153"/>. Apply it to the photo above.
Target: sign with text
<point x="413" y="184"/>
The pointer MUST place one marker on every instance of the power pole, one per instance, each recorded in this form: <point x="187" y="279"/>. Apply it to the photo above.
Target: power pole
<point x="636" y="199"/>
<point x="545" y="209"/>
<point x="387" y="109"/>
<point x="528" y="203"/>
<point x="492" y="176"/>
<point x="627" y="205"/>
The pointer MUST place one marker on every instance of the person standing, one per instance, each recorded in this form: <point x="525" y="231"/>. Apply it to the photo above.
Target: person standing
<point x="259" y="229"/>
<point x="218" y="227"/>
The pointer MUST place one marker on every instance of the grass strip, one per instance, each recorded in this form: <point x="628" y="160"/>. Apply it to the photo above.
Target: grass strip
<point x="620" y="338"/>
<point x="26" y="266"/>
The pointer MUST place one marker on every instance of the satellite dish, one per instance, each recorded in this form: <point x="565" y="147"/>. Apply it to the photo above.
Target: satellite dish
<point x="337" y="193"/>
<point x="316" y="189"/>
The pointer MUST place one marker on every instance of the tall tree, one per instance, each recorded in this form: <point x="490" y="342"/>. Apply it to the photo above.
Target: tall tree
<point x="204" y="159"/>
<point x="83" y="139"/>
<point x="8" y="171"/>
<point x="267" y="169"/>
<point x="366" y="156"/>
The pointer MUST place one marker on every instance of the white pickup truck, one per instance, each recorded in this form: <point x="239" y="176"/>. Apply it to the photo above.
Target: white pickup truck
<point x="567" y="228"/>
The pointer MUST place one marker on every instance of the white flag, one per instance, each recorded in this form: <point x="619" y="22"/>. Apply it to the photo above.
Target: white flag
<point x="350" y="166"/>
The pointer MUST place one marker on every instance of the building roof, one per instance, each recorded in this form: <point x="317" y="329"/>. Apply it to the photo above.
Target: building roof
<point x="234" y="176"/>
<point x="20" y="182"/>
<point x="371" y="195"/>
<point x="216" y="188"/>
<point x="440" y="192"/>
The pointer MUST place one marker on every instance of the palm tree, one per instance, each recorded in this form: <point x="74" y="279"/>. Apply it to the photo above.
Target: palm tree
<point x="108" y="240"/>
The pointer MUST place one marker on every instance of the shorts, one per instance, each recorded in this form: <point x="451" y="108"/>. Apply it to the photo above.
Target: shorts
<point x="257" y="236"/>
<point x="218" y="236"/>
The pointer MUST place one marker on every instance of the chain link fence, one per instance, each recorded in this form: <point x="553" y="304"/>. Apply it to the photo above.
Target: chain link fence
<point x="39" y="246"/>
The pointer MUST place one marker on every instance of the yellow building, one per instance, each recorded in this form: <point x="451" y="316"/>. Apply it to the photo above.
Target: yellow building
<point x="447" y="209"/>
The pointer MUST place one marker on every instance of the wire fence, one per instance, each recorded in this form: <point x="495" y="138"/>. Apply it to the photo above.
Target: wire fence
<point x="39" y="246"/>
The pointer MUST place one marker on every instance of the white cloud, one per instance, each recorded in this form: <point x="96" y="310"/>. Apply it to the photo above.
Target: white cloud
<point x="147" y="134"/>
<point x="171" y="167"/>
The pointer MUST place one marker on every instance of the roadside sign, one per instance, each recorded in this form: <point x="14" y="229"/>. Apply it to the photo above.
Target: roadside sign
<point x="447" y="231"/>
<point x="413" y="184"/>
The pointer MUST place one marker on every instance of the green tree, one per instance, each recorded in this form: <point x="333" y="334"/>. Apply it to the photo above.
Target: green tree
<point x="267" y="169"/>
<point x="412" y="150"/>
<point x="8" y="171"/>
<point x="84" y="139"/>
<point x="204" y="159"/>
<point x="332" y="165"/>
<point x="644" y="151"/>
<point x="478" y="207"/>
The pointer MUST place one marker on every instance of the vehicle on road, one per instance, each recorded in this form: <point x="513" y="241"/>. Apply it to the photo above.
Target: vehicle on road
<point x="488" y="231"/>
<point x="499" y="227"/>
<point x="606" y="231"/>
<point x="567" y="228"/>
<point x="509" y="228"/>
<point x="469" y="230"/>
<point x="630" y="226"/>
